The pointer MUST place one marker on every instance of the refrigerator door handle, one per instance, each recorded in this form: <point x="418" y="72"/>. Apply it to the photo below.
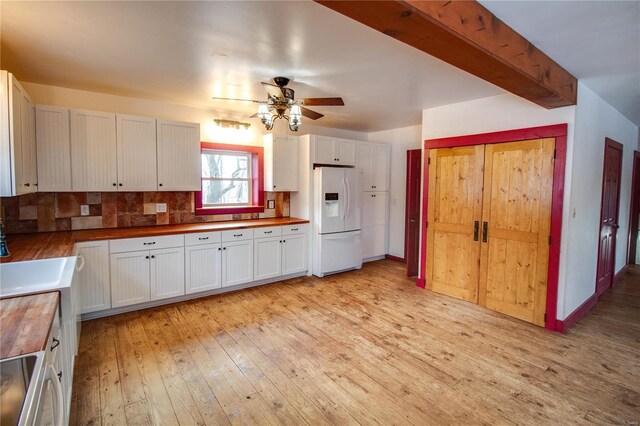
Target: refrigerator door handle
<point x="344" y="207"/>
<point x="347" y="200"/>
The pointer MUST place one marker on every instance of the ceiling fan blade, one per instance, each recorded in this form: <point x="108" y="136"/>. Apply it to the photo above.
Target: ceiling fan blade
<point x="241" y="100"/>
<point x="323" y="101"/>
<point x="273" y="90"/>
<point x="310" y="113"/>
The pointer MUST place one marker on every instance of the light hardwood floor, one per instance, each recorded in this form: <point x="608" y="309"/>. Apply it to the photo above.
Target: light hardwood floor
<point x="361" y="347"/>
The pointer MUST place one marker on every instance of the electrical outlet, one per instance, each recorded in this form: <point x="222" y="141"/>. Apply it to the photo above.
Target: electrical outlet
<point x="271" y="204"/>
<point x="161" y="207"/>
<point x="84" y="210"/>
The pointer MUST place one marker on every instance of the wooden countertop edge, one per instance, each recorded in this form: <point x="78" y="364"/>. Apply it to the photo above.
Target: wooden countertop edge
<point x="47" y="245"/>
<point x="18" y="347"/>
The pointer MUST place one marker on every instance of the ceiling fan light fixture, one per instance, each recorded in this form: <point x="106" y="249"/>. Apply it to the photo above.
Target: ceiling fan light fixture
<point x="295" y="117"/>
<point x="264" y="114"/>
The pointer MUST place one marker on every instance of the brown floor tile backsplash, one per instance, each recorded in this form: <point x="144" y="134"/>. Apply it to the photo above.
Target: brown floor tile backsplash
<point x="60" y="211"/>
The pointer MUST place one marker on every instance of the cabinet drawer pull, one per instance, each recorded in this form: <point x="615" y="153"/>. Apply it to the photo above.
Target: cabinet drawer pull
<point x="268" y="232"/>
<point x="60" y="376"/>
<point x="485" y="228"/>
<point x="26" y="184"/>
<point x="203" y="238"/>
<point x="149" y="244"/>
<point x="294" y="229"/>
<point x="238" y="235"/>
<point x="55" y="343"/>
<point x="476" y="230"/>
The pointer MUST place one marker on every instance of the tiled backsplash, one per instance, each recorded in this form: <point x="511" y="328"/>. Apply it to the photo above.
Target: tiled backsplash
<point x="48" y="211"/>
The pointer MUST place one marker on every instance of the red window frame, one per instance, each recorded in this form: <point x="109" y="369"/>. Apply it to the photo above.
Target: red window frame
<point x="257" y="181"/>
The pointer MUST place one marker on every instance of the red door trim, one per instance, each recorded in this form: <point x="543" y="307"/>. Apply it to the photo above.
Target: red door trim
<point x="557" y="131"/>
<point x="634" y="210"/>
<point x="410" y="244"/>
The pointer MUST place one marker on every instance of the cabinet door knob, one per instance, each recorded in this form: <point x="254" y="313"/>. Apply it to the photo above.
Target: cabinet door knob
<point x="114" y="184"/>
<point x="146" y="257"/>
<point x="153" y="256"/>
<point x="60" y="376"/>
<point x="159" y="184"/>
<point x="219" y="249"/>
<point x="27" y="184"/>
<point x="119" y="184"/>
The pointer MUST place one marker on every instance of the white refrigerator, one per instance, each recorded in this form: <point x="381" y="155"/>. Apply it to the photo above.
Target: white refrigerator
<point x="336" y="236"/>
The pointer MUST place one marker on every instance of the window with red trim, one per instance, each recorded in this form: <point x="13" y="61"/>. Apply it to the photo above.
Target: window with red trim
<point x="231" y="179"/>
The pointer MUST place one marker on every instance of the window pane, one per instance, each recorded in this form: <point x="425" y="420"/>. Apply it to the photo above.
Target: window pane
<point x="225" y="192"/>
<point x="225" y="165"/>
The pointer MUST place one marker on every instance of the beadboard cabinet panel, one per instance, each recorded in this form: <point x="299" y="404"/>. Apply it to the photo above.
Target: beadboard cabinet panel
<point x="53" y="148"/>
<point x="267" y="255"/>
<point x="294" y="254"/>
<point x="167" y="273"/>
<point x="280" y="163"/>
<point x="93" y="151"/>
<point x="130" y="278"/>
<point x="203" y="264"/>
<point x="237" y="262"/>
<point x="178" y="145"/>
<point x="136" y="147"/>
<point x="95" y="289"/>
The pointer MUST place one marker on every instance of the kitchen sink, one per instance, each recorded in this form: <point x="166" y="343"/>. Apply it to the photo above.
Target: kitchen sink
<point x="19" y="278"/>
<point x="19" y="382"/>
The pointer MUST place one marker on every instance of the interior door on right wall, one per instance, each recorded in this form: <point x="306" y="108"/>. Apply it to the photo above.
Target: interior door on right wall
<point x="516" y="217"/>
<point x="609" y="215"/>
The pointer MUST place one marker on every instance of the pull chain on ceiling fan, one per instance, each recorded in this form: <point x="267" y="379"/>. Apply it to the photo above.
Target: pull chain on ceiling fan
<point x="280" y="99"/>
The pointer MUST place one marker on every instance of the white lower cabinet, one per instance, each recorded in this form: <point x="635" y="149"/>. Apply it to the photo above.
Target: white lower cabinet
<point x="167" y="273"/>
<point x="126" y="272"/>
<point x="93" y="279"/>
<point x="203" y="267"/>
<point x="294" y="254"/>
<point x="130" y="278"/>
<point x="267" y="255"/>
<point x="374" y="224"/>
<point x="237" y="262"/>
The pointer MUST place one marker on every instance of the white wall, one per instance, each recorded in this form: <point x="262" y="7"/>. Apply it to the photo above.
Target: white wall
<point x="401" y="140"/>
<point x="504" y="112"/>
<point x="72" y="98"/>
<point x="595" y="121"/>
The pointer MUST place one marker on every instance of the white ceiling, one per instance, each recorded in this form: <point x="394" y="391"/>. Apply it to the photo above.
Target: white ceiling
<point x="187" y="52"/>
<point x="596" y="41"/>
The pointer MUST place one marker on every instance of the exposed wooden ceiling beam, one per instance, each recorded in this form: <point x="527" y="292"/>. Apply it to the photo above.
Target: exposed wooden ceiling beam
<point x="468" y="36"/>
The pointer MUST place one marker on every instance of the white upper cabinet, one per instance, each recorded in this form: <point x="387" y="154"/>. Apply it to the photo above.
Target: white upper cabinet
<point x="280" y="163"/>
<point x="17" y="139"/>
<point x="178" y="145"/>
<point x="93" y="151"/>
<point x="53" y="148"/>
<point x="136" y="147"/>
<point x="373" y="163"/>
<point x="340" y="152"/>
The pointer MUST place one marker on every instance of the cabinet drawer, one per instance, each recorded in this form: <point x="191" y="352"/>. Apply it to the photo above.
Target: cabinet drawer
<point x="145" y="243"/>
<point x="295" y="229"/>
<point x="271" y="231"/>
<point x="201" y="238"/>
<point x="237" y="235"/>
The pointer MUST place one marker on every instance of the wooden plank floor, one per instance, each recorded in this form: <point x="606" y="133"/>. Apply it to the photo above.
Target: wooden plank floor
<point x="362" y="347"/>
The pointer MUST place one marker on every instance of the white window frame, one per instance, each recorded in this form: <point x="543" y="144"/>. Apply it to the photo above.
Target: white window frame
<point x="248" y="179"/>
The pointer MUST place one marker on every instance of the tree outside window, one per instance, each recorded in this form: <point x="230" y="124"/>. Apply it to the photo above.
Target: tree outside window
<point x="226" y="178"/>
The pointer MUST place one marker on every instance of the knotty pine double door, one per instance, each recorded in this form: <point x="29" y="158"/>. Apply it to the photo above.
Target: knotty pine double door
<point x="488" y="219"/>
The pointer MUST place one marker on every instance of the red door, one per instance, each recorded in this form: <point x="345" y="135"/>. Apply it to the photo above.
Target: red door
<point x="412" y="212"/>
<point x="609" y="215"/>
<point x="634" y="216"/>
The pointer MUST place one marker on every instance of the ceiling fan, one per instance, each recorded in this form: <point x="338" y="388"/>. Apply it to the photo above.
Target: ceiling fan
<point x="280" y="99"/>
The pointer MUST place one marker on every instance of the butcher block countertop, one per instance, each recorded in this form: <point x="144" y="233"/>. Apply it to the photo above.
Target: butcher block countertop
<point x="26" y="322"/>
<point x="45" y="245"/>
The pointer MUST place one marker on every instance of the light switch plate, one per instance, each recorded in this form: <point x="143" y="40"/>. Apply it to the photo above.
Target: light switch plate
<point x="161" y="207"/>
<point x="84" y="210"/>
<point x="271" y="204"/>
